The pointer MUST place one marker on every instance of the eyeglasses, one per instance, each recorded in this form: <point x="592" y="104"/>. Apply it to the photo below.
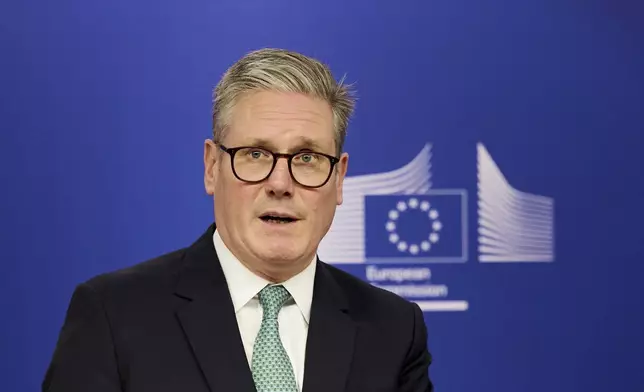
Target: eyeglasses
<point x="254" y="164"/>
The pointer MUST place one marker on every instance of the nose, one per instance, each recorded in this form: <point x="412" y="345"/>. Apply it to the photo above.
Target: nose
<point x="280" y="183"/>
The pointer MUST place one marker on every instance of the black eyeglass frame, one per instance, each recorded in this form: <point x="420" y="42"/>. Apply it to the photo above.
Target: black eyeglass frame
<point x="276" y="155"/>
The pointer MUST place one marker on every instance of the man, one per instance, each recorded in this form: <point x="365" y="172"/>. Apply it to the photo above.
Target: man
<point x="249" y="306"/>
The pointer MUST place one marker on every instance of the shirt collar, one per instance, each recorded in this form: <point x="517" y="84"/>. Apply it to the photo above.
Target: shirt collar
<point x="244" y="285"/>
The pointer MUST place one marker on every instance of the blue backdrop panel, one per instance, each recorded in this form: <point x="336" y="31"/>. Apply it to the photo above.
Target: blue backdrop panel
<point x="520" y="122"/>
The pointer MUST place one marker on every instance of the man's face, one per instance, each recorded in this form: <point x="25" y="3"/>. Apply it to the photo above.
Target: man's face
<point x="284" y="123"/>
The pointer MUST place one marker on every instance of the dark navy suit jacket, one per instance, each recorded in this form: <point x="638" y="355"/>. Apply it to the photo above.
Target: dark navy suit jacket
<point x="168" y="325"/>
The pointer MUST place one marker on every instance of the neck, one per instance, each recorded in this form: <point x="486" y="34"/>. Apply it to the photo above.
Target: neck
<point x="273" y="270"/>
<point x="278" y="272"/>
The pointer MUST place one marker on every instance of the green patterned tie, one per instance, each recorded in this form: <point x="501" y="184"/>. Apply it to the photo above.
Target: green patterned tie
<point x="271" y="367"/>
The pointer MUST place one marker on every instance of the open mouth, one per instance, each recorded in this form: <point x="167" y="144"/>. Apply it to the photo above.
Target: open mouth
<point x="277" y="219"/>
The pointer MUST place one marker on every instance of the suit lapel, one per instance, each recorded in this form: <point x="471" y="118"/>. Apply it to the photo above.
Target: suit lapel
<point x="208" y="319"/>
<point x="330" y="341"/>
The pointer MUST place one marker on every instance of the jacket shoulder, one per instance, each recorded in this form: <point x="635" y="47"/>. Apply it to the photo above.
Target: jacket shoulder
<point x="157" y="272"/>
<point x="367" y="298"/>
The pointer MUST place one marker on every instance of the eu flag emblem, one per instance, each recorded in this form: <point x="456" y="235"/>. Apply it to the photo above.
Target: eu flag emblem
<point x="427" y="227"/>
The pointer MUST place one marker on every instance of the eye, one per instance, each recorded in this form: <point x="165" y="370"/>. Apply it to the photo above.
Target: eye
<point x="307" y="158"/>
<point x="256" y="153"/>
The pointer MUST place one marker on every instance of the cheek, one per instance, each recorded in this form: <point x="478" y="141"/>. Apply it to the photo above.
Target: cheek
<point x="322" y="207"/>
<point x="241" y="199"/>
<point x="238" y="199"/>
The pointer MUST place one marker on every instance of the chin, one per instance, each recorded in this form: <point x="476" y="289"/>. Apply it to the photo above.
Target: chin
<point x="280" y="251"/>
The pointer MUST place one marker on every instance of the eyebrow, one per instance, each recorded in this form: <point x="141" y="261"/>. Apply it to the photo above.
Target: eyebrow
<point x="303" y="143"/>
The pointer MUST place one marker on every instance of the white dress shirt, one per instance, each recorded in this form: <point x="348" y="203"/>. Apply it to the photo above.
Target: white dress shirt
<point x="293" y="318"/>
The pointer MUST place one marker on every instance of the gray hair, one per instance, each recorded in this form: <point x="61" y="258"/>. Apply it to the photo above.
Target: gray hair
<point x="285" y="71"/>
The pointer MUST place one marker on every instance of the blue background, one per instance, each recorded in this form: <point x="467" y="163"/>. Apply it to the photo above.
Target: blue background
<point x="104" y="107"/>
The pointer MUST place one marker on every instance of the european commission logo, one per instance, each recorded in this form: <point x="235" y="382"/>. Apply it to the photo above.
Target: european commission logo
<point x="399" y="218"/>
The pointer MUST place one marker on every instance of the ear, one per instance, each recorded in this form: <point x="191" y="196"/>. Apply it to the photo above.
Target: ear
<point x="210" y="166"/>
<point x="341" y="172"/>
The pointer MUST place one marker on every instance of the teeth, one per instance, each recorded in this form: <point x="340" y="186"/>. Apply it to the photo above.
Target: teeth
<point x="276" y="219"/>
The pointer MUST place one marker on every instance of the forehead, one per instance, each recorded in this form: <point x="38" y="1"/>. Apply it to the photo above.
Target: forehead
<point x="282" y="119"/>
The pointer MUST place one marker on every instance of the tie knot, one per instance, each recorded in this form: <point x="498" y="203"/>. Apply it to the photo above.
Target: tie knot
<point x="272" y="298"/>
